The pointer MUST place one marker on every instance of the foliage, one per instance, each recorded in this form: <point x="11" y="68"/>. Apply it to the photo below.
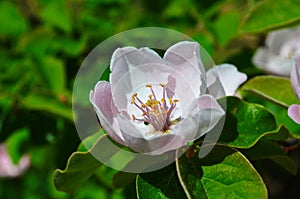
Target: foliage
<point x="43" y="43"/>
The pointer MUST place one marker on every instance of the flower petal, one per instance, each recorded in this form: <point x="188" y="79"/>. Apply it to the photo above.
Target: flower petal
<point x="149" y="143"/>
<point x="272" y="63"/>
<point x="7" y="168"/>
<point x="276" y="39"/>
<point x="132" y="68"/>
<point x="295" y="74"/>
<point x="184" y="57"/>
<point x="294" y="113"/>
<point x="229" y="77"/>
<point x="101" y="99"/>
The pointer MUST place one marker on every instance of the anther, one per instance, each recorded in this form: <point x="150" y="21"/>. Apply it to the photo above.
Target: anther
<point x="149" y="85"/>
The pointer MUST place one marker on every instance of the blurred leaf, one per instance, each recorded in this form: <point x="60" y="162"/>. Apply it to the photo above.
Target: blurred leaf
<point x="276" y="89"/>
<point x="226" y="26"/>
<point x="36" y="42"/>
<point x="14" y="143"/>
<point x="160" y="184"/>
<point x="246" y="123"/>
<point x="47" y="104"/>
<point x="80" y="166"/>
<point x="53" y="72"/>
<point x="270" y="150"/>
<point x="223" y="173"/>
<point x="12" y="22"/>
<point x="56" y="13"/>
<point x="269" y="14"/>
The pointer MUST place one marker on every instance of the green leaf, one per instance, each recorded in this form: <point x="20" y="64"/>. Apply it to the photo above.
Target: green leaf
<point x="53" y="72"/>
<point x="14" y="143"/>
<point x="48" y="104"/>
<point x="226" y="26"/>
<point x="88" y="142"/>
<point x="121" y="179"/>
<point x="56" y="13"/>
<point x="160" y="184"/>
<point x="80" y="166"/>
<point x="223" y="173"/>
<point x="276" y="89"/>
<point x="271" y="14"/>
<point x="246" y="123"/>
<point x="272" y="151"/>
<point x="12" y="22"/>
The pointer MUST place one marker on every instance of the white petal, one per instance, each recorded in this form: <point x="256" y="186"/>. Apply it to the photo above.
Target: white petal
<point x="276" y="39"/>
<point x="184" y="57"/>
<point x="229" y="77"/>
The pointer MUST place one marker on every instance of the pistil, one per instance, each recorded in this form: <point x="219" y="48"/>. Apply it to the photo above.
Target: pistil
<point x="155" y="112"/>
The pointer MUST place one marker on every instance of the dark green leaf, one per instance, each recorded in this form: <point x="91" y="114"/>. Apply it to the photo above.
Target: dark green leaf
<point x="80" y="166"/>
<point x="246" y="123"/>
<point x="269" y="150"/>
<point x="223" y="173"/>
<point x="159" y="184"/>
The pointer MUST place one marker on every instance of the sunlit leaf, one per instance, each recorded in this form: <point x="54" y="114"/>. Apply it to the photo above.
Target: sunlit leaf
<point x="276" y="89"/>
<point x="270" y="14"/>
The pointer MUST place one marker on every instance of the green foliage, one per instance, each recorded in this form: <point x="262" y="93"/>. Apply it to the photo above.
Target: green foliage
<point x="269" y="14"/>
<point x="42" y="45"/>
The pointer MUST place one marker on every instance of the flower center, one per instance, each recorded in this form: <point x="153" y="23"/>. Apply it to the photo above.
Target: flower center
<point x="154" y="111"/>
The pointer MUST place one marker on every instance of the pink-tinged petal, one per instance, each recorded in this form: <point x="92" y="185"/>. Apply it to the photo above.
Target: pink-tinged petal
<point x="184" y="57"/>
<point x="294" y="113"/>
<point x="228" y="76"/>
<point x="295" y="75"/>
<point x="101" y="99"/>
<point x="7" y="168"/>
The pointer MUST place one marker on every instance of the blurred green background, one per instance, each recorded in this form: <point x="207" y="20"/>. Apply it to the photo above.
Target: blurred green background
<point x="42" y="45"/>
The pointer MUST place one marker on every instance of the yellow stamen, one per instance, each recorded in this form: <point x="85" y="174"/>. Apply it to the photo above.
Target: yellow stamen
<point x="133" y="117"/>
<point x="176" y="100"/>
<point x="162" y="100"/>
<point x="149" y="85"/>
<point x="150" y="96"/>
<point x="162" y="85"/>
<point x="170" y="100"/>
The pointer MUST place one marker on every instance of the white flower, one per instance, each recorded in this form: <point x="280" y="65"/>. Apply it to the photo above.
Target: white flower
<point x="154" y="105"/>
<point x="281" y="45"/>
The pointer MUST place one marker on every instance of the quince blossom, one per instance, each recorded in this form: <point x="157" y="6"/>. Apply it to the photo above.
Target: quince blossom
<point x="281" y="45"/>
<point x="294" y="110"/>
<point x="7" y="168"/>
<point x="154" y="105"/>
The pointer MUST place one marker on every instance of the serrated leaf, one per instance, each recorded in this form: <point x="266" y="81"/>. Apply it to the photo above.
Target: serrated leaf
<point x="246" y="123"/>
<point x="269" y="14"/>
<point x="223" y="173"/>
<point x="269" y="150"/>
<point x="160" y="184"/>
